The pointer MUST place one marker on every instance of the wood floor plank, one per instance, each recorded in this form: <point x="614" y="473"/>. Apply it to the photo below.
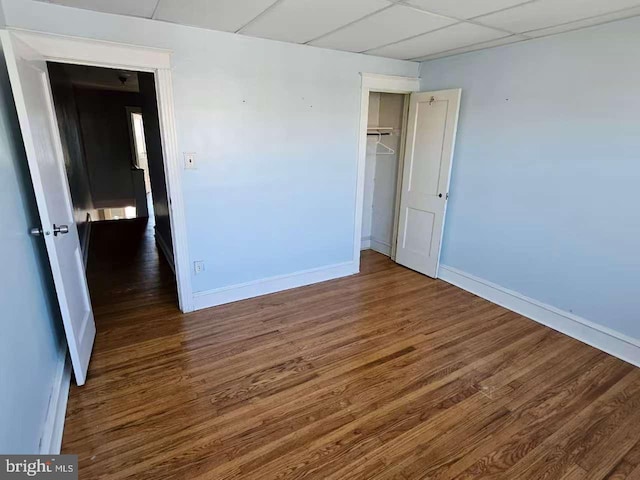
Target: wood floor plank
<point x="574" y="473"/>
<point x="627" y="465"/>
<point x="581" y="434"/>
<point x="384" y="374"/>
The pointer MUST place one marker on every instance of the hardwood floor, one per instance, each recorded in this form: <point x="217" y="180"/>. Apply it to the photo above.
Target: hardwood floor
<point x="125" y="270"/>
<point x="386" y="374"/>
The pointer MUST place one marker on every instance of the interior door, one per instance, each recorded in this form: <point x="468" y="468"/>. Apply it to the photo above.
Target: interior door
<point x="34" y="104"/>
<point x="431" y="132"/>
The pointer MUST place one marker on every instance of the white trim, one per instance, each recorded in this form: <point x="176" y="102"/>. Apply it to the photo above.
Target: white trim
<point x="164" y="248"/>
<point x="83" y="51"/>
<point x="51" y="440"/>
<point x="86" y="240"/>
<point x="602" y="338"/>
<point x="372" y="83"/>
<point x="365" y="243"/>
<point x="173" y="174"/>
<point x="400" y="169"/>
<point x="242" y="291"/>
<point x="381" y="247"/>
<point x="389" y="83"/>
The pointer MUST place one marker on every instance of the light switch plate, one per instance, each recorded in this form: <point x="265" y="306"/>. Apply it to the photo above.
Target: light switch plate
<point x="198" y="266"/>
<point x="189" y="160"/>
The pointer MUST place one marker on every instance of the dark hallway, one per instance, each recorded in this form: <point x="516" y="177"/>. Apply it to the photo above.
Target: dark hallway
<point x="126" y="271"/>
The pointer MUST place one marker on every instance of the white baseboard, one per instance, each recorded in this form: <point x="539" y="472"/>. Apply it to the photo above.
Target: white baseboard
<point x="233" y="293"/>
<point x="365" y="243"/>
<point x="166" y="251"/>
<point x="603" y="338"/>
<point x="51" y="440"/>
<point x="381" y="247"/>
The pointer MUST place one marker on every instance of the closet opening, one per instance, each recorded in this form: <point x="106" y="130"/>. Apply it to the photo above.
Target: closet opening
<point x="386" y="132"/>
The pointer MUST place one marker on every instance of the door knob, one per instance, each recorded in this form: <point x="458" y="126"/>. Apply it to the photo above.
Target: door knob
<point x="60" y="229"/>
<point x="57" y="229"/>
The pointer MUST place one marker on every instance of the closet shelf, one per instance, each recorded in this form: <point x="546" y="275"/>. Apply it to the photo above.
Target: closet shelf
<point x="380" y="130"/>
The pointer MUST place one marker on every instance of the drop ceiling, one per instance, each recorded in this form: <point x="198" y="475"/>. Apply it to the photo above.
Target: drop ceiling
<point x="403" y="29"/>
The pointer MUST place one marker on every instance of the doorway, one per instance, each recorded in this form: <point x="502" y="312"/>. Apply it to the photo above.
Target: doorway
<point x="385" y="147"/>
<point x="407" y="140"/>
<point x="26" y="55"/>
<point x="112" y="149"/>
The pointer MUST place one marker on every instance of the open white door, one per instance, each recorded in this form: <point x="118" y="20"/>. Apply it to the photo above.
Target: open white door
<point x="34" y="104"/>
<point x="431" y="133"/>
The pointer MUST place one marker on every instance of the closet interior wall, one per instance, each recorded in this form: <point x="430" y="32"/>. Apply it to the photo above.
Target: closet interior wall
<point x="386" y="112"/>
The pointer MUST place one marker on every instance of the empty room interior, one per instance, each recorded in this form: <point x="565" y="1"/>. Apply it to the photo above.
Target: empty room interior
<point x="277" y="239"/>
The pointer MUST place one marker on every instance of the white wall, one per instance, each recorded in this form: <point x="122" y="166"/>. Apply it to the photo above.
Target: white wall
<point x="31" y="348"/>
<point x="275" y="130"/>
<point x="545" y="190"/>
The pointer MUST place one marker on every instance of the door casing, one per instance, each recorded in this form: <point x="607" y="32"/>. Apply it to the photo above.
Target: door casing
<point x="82" y="51"/>
<point x="384" y="84"/>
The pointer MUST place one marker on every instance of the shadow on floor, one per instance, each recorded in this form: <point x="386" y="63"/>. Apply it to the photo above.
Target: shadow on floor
<point x="125" y="269"/>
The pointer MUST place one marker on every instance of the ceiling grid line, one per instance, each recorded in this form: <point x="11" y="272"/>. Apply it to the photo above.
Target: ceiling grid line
<point x="386" y="28"/>
<point x="410" y="38"/>
<point x="466" y="49"/>
<point x="262" y="13"/>
<point x="580" y="20"/>
<point x="458" y="20"/>
<point x="503" y="9"/>
<point x="155" y="10"/>
<point x="351" y="23"/>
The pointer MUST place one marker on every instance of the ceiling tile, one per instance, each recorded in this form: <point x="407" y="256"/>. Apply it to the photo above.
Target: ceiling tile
<point x="547" y="13"/>
<point x="477" y="46"/>
<point x="227" y="15"/>
<point x="456" y="36"/>
<point x="589" y="22"/>
<point x="464" y="8"/>
<point x="137" y="8"/>
<point x="382" y="28"/>
<point x="303" y="20"/>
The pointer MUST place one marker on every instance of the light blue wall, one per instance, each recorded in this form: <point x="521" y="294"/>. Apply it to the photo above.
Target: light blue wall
<point x="545" y="192"/>
<point x="31" y="349"/>
<point x="275" y="130"/>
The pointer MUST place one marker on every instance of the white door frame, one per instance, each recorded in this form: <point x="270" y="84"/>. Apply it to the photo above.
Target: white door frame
<point x="82" y="51"/>
<point x="384" y="84"/>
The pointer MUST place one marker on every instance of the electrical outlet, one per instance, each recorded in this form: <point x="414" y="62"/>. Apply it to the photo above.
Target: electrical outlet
<point x="189" y="160"/>
<point x="198" y="266"/>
